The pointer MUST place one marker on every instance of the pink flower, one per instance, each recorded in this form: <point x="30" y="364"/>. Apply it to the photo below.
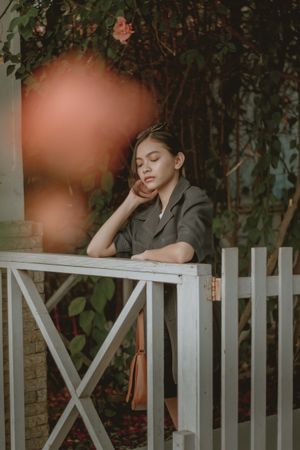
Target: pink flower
<point x="122" y="30"/>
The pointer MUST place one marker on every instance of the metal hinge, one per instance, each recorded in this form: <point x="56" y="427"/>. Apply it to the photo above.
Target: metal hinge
<point x="215" y="289"/>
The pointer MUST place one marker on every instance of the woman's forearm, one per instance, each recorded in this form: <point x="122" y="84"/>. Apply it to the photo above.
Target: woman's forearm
<point x="179" y="252"/>
<point x="102" y="243"/>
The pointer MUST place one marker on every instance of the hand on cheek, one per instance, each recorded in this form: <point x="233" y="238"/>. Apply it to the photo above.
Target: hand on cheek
<point x="142" y="191"/>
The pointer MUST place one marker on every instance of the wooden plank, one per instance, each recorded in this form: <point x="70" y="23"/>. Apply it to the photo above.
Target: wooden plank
<point x="229" y="306"/>
<point x="62" y="427"/>
<point x="285" y="350"/>
<point x="61" y="292"/>
<point x="244" y="286"/>
<point x="113" y="340"/>
<point x="259" y="347"/>
<point x="48" y="330"/>
<point x="128" y="266"/>
<point x="2" y="410"/>
<point x="183" y="440"/>
<point x="195" y="404"/>
<point x="93" y="424"/>
<point x="137" y="275"/>
<point x="16" y="363"/>
<point x="64" y="363"/>
<point x="155" y="365"/>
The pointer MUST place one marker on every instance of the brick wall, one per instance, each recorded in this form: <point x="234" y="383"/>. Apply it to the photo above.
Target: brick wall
<point x="27" y="236"/>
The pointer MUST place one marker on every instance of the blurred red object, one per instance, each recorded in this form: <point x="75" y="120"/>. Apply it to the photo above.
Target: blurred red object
<point x="76" y="111"/>
<point x="62" y="213"/>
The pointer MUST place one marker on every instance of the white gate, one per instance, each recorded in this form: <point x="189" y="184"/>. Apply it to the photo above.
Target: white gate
<point x="194" y="347"/>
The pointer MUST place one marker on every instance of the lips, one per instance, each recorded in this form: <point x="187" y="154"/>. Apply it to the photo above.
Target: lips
<point x="147" y="179"/>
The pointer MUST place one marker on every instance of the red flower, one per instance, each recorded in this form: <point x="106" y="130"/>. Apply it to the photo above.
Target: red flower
<point x="122" y="30"/>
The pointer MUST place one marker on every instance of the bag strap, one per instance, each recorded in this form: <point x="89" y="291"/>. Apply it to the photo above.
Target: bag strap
<point x="140" y="332"/>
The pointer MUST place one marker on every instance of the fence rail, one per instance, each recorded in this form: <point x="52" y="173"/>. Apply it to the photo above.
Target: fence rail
<point x="195" y="322"/>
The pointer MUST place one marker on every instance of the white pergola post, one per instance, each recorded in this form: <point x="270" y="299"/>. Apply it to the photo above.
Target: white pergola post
<point x="11" y="168"/>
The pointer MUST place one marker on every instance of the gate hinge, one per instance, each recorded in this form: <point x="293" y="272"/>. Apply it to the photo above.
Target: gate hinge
<point x="215" y="289"/>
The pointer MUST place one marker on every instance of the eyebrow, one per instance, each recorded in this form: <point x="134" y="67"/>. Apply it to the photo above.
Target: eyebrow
<point x="148" y="154"/>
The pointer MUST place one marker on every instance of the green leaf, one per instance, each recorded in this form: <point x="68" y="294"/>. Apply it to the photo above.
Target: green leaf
<point x="15" y="22"/>
<point x="107" y="181"/>
<point x="109" y="412"/>
<point x="10" y="69"/>
<point x="98" y="299"/>
<point x="99" y="321"/>
<point x="108" y="287"/>
<point x="99" y="335"/>
<point x="76" y="306"/>
<point x="86" y="321"/>
<point x="77" y="359"/>
<point x="109" y="21"/>
<point x="77" y="344"/>
<point x="106" y="5"/>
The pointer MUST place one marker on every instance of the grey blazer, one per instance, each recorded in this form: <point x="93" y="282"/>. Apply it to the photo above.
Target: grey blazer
<point x="187" y="218"/>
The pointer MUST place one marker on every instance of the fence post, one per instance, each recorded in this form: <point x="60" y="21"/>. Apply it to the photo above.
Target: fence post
<point x="16" y="363"/>
<point x="229" y="307"/>
<point x="195" y="360"/>
<point x="155" y="365"/>
<point x="2" y="410"/>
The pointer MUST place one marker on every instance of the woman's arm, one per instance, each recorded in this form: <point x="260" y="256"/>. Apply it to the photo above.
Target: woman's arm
<point x="180" y="252"/>
<point x="102" y="244"/>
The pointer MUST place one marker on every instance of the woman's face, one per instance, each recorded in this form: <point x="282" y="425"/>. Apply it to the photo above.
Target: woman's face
<point x="155" y="165"/>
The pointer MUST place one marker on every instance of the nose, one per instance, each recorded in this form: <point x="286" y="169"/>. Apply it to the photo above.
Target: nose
<point x="146" y="168"/>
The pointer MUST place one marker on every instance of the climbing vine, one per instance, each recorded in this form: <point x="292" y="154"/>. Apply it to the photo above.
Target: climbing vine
<point x="226" y="75"/>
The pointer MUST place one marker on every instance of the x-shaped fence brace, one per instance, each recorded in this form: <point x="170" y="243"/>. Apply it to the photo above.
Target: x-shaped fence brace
<point x="80" y="389"/>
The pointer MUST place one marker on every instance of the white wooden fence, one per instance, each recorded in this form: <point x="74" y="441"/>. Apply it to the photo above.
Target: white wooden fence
<point x="195" y="405"/>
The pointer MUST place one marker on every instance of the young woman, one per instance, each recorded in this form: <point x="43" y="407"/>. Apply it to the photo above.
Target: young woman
<point x="166" y="218"/>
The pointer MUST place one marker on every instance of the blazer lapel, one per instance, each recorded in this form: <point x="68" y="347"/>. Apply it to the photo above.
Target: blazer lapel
<point x="182" y="185"/>
<point x="151" y="218"/>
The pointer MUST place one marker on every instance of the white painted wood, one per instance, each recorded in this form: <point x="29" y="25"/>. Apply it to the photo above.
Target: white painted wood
<point x="155" y="365"/>
<point x="61" y="292"/>
<point x="2" y="410"/>
<point x="271" y="431"/>
<point x="48" y="330"/>
<point x="195" y="360"/>
<point x="259" y="347"/>
<point x="244" y="286"/>
<point x="285" y="350"/>
<point x="16" y="363"/>
<point x="62" y="427"/>
<point x="93" y="424"/>
<point x="127" y="266"/>
<point x="119" y="273"/>
<point x="229" y="401"/>
<point x="63" y="361"/>
<point x="183" y="440"/>
<point x="11" y="168"/>
<point x="113" y="340"/>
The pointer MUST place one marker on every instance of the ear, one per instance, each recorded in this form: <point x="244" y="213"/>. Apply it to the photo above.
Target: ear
<point x="179" y="160"/>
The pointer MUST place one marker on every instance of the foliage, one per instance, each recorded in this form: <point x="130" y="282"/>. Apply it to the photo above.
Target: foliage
<point x="234" y="101"/>
<point x="226" y="74"/>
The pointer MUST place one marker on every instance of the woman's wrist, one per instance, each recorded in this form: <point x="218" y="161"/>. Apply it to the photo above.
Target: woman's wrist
<point x="131" y="202"/>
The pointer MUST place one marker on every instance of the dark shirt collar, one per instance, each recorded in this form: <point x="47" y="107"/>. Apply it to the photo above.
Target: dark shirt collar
<point x="154" y="208"/>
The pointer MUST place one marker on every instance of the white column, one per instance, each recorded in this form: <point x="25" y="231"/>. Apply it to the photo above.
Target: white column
<point x="195" y="373"/>
<point x="11" y="169"/>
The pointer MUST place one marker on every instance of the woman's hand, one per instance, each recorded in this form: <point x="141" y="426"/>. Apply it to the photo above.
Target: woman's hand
<point x="141" y="193"/>
<point x="140" y="256"/>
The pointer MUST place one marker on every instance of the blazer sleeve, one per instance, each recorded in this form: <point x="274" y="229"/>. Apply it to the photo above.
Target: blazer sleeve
<point x="123" y="241"/>
<point x="195" y="223"/>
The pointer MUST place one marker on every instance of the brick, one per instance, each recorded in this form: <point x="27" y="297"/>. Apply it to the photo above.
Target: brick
<point x="27" y="237"/>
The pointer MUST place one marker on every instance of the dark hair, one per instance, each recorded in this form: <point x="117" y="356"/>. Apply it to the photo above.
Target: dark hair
<point x="160" y="132"/>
